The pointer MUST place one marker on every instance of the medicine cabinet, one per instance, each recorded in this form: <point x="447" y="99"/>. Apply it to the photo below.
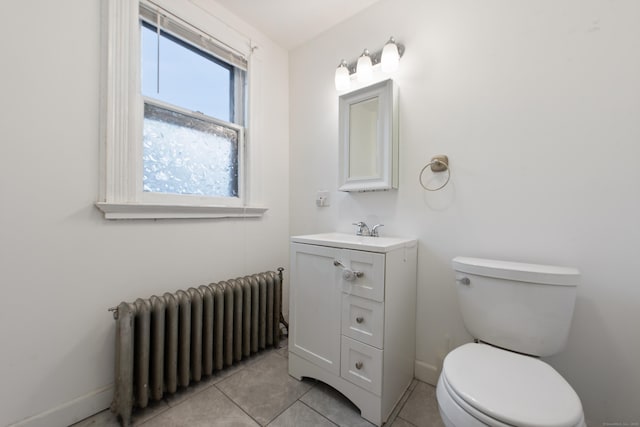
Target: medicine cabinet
<point x="368" y="122"/>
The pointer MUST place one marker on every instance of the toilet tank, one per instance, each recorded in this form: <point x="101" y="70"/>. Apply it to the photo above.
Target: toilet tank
<point x="521" y="307"/>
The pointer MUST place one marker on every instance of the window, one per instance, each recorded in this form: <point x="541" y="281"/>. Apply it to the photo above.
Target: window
<point x="174" y="122"/>
<point x="191" y="103"/>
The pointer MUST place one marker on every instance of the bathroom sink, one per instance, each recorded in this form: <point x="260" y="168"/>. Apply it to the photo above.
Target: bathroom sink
<point x="351" y="241"/>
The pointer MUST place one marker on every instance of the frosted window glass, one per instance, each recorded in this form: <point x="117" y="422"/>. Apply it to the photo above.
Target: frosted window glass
<point x="186" y="155"/>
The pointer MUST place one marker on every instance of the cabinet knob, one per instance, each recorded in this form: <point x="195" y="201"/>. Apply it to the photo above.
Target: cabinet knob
<point x="350" y="275"/>
<point x="359" y="319"/>
<point x="358" y="365"/>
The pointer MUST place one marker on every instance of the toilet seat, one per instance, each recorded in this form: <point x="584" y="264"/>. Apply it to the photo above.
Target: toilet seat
<point x="455" y="412"/>
<point x="501" y="388"/>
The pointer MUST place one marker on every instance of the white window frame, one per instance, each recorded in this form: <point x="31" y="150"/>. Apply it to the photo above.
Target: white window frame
<point x="121" y="193"/>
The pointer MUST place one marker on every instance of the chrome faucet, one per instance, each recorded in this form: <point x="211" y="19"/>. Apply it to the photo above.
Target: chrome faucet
<point x="363" y="229"/>
<point x="374" y="230"/>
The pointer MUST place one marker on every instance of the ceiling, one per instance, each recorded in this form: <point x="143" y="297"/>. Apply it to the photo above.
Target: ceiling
<point x="292" y="22"/>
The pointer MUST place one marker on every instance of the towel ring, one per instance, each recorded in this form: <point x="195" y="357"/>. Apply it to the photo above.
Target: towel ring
<point x="437" y="164"/>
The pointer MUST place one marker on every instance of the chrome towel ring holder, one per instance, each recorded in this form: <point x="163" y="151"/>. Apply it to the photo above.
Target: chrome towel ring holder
<point x="437" y="164"/>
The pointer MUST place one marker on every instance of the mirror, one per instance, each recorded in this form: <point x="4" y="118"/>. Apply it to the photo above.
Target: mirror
<point x="368" y="138"/>
<point x="363" y="156"/>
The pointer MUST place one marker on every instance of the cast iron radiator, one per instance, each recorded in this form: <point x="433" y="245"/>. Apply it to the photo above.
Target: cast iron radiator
<point x="167" y="342"/>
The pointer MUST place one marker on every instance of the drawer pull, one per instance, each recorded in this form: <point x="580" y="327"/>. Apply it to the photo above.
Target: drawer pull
<point x="359" y="319"/>
<point x="348" y="274"/>
<point x="359" y="365"/>
<point x="351" y="275"/>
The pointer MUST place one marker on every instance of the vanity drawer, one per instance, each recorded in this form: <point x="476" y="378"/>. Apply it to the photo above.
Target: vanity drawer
<point x="363" y="319"/>
<point x="361" y="364"/>
<point x="369" y="282"/>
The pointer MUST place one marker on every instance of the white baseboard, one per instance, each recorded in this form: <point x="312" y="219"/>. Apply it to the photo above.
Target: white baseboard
<point x="426" y="373"/>
<point x="71" y="412"/>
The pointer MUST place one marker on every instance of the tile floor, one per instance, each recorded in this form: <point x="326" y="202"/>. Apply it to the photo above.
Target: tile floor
<point x="260" y="392"/>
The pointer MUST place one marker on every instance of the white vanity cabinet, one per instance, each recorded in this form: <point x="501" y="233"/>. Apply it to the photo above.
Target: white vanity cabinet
<point x="352" y="316"/>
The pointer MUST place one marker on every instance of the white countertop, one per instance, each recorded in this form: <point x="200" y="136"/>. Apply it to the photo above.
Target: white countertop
<point x="351" y="241"/>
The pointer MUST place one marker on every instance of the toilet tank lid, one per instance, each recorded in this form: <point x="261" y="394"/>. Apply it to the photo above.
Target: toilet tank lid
<point x="522" y="272"/>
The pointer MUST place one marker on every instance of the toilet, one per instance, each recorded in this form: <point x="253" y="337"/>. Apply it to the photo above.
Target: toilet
<point x="517" y="313"/>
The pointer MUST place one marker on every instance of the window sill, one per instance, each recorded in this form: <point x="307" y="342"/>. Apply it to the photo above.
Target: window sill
<point x="159" y="211"/>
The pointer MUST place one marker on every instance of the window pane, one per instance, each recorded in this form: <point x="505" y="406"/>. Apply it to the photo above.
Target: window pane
<point x="189" y="78"/>
<point x="186" y="155"/>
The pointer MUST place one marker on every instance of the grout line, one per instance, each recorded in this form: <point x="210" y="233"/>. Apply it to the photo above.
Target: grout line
<point x="280" y="413"/>
<point x="403" y="400"/>
<point x="236" y="404"/>
<point x="315" y="382"/>
<point x="292" y="403"/>
<point x="202" y="384"/>
<point x="259" y="353"/>
<point x="408" y="422"/>
<point x="317" y="412"/>
<point x="247" y="362"/>
<point x="214" y="383"/>
<point x="160" y="412"/>
<point x="264" y="353"/>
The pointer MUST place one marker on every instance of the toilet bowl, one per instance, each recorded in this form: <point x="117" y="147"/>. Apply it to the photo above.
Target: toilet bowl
<point x="517" y="312"/>
<point x="481" y="385"/>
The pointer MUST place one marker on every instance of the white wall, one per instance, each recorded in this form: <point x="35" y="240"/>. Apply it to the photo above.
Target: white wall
<point x="537" y="105"/>
<point x="61" y="264"/>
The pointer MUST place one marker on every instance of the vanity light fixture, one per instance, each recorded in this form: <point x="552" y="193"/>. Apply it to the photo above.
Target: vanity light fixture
<point x="388" y="57"/>
<point x="364" y="69"/>
<point x="342" y="79"/>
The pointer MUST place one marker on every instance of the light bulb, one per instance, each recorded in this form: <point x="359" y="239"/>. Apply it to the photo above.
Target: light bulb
<point x="390" y="57"/>
<point x="364" y="69"/>
<point x="342" y="79"/>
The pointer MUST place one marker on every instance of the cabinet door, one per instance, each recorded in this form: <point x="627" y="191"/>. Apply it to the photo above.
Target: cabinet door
<point x="314" y="305"/>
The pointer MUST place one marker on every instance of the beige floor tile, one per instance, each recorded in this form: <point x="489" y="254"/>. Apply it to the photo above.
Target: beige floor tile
<point x="183" y="394"/>
<point x="402" y="401"/>
<point x="299" y="415"/>
<point x="105" y="418"/>
<point x="259" y="391"/>
<point x="194" y="388"/>
<point x="140" y="416"/>
<point x="284" y="348"/>
<point x="208" y="408"/>
<point x="421" y="408"/>
<point x="333" y="405"/>
<point x="264" y="389"/>
<point x="399" y="422"/>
